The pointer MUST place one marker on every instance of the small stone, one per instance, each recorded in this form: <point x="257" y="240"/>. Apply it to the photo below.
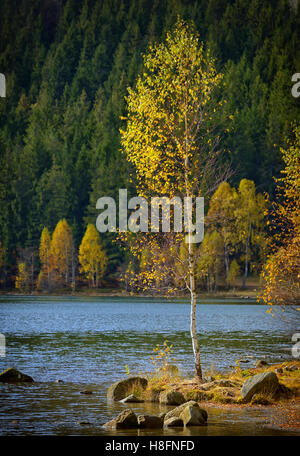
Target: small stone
<point x="86" y="392"/>
<point x="174" y="422"/>
<point x="291" y="368"/>
<point x="59" y="381"/>
<point x="261" y="363"/>
<point x="131" y="398"/>
<point x="244" y="361"/>
<point x="84" y="423"/>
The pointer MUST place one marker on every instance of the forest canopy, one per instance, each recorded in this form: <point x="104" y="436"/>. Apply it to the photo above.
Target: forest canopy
<point x="68" y="66"/>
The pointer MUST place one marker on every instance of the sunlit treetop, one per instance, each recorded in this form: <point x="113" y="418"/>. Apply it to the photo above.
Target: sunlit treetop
<point x="171" y="115"/>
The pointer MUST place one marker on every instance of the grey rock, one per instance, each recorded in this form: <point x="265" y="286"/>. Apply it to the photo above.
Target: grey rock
<point x="266" y="382"/>
<point x="123" y="388"/>
<point x="12" y="375"/>
<point x="171" y="397"/>
<point x="174" y="422"/>
<point x="177" y="410"/>
<point x="126" y="419"/>
<point x="150" y="422"/>
<point x="193" y="416"/>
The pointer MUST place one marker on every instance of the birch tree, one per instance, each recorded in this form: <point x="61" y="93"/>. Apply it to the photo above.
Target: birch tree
<point x="171" y="138"/>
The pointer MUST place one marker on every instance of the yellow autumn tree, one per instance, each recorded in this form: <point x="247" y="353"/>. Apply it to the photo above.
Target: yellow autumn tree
<point x="209" y="263"/>
<point x="281" y="274"/>
<point x="92" y="257"/>
<point x="45" y="259"/>
<point x="249" y="222"/>
<point x="221" y="218"/>
<point x="171" y="138"/>
<point x="22" y="277"/>
<point x="62" y="254"/>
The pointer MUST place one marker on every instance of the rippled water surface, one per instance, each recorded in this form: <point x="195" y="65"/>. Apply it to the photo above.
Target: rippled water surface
<point x="86" y="342"/>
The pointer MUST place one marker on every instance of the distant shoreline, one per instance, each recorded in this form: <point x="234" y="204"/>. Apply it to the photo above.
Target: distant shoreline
<point x="235" y="294"/>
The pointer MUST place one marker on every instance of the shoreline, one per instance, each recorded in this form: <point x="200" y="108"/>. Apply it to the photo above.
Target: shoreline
<point x="236" y="294"/>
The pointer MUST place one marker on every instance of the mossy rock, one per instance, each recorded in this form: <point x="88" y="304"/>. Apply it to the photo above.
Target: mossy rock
<point x="12" y="375"/>
<point x="199" y="396"/>
<point x="123" y="388"/>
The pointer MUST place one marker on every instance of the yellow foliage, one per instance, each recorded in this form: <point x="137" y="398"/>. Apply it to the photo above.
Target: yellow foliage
<point x="92" y="257"/>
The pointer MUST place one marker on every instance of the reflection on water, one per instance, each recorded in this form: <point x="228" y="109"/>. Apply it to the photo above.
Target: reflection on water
<point x="89" y="341"/>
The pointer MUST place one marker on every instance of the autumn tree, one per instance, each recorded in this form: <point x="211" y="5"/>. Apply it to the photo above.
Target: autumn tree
<point x="92" y="257"/>
<point x="210" y="259"/>
<point x="249" y="215"/>
<point x="23" y="277"/>
<point x="62" y="254"/>
<point x="45" y="259"/>
<point x="172" y="140"/>
<point x="281" y="273"/>
<point x="221" y="217"/>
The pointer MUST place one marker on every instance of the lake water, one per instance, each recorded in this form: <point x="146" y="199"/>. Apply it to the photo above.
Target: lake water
<point x="86" y="342"/>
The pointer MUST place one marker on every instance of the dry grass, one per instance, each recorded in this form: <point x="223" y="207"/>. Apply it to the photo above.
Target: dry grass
<point x="225" y="388"/>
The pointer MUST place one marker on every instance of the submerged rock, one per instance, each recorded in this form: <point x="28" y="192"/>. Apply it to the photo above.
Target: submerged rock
<point x="171" y="397"/>
<point x="12" y="375"/>
<point x="131" y="399"/>
<point x="123" y="388"/>
<point x="86" y="392"/>
<point x="266" y="383"/>
<point x="150" y="422"/>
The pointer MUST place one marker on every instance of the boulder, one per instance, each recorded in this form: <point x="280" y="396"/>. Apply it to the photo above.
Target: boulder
<point x="266" y="382"/>
<point x="171" y="397"/>
<point x="193" y="416"/>
<point x="14" y="376"/>
<point x="177" y="410"/>
<point x="261" y="363"/>
<point x="150" y="422"/>
<point x="123" y="388"/>
<point x="126" y="419"/>
<point x="131" y="399"/>
<point x="174" y="422"/>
